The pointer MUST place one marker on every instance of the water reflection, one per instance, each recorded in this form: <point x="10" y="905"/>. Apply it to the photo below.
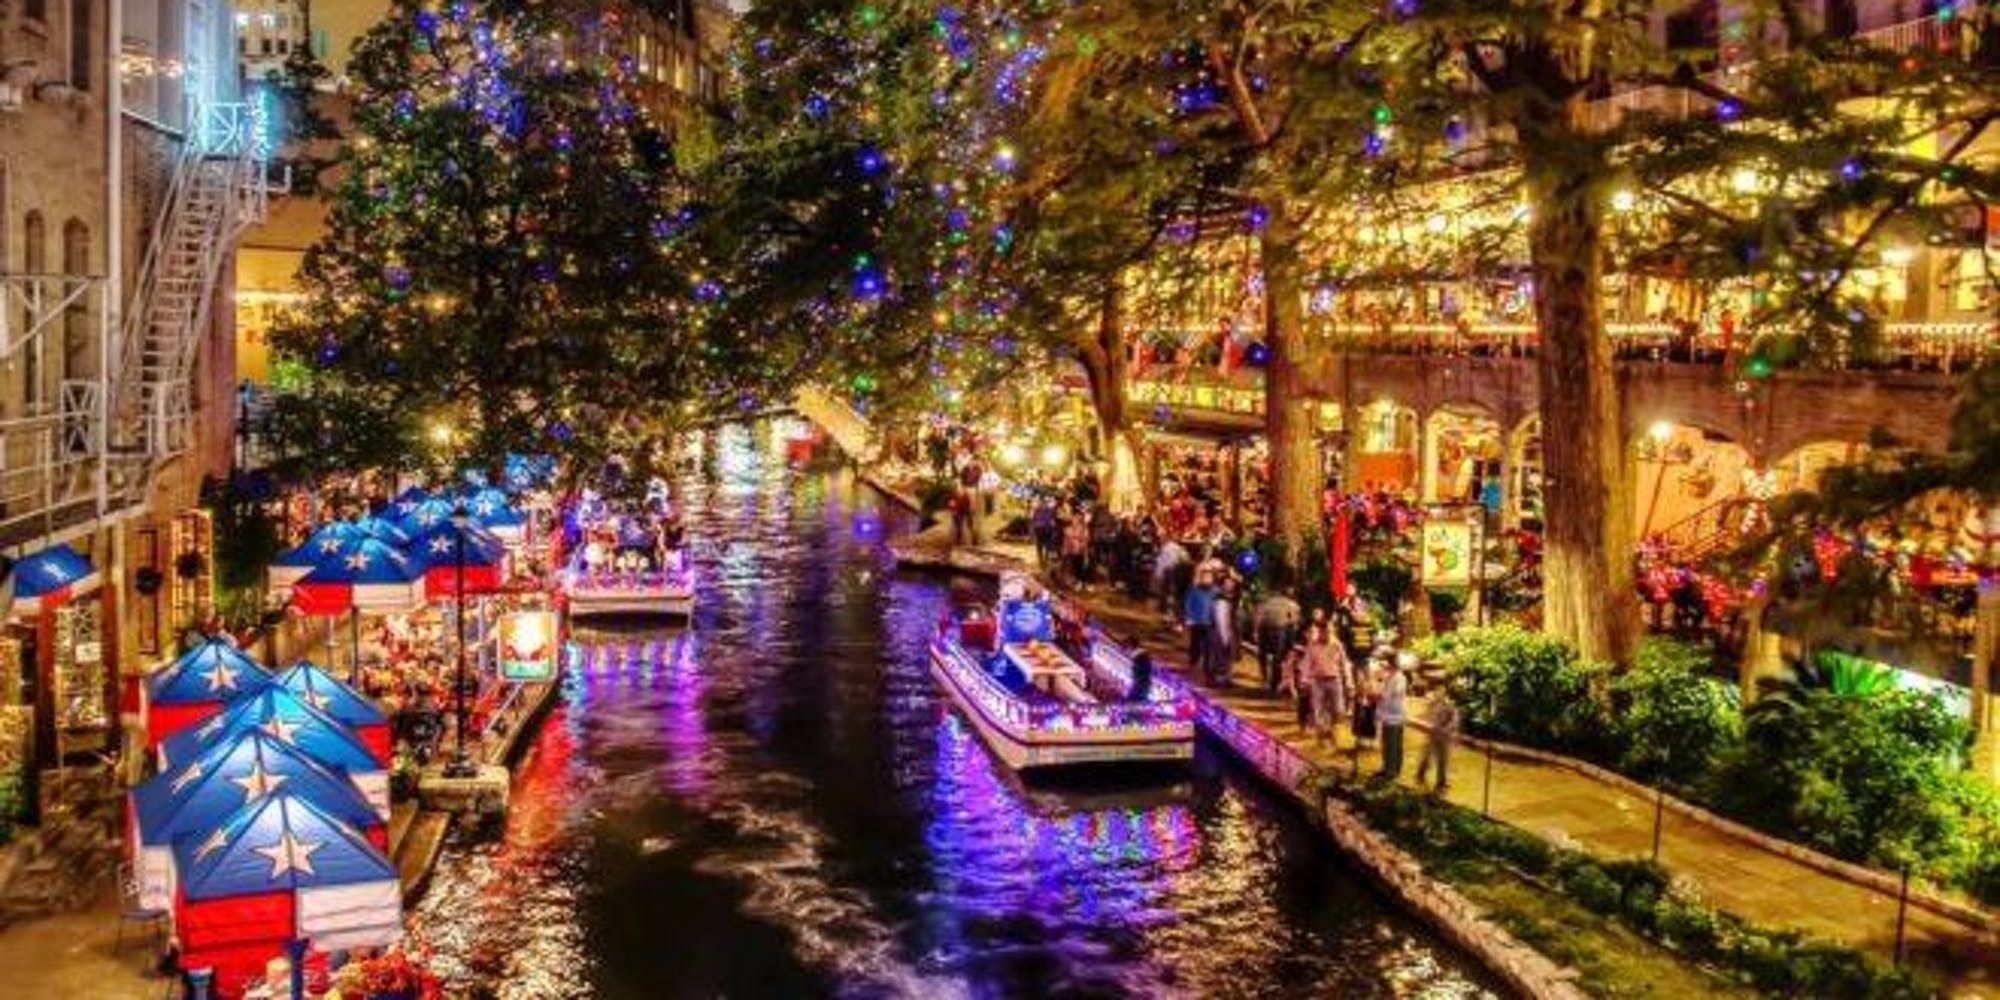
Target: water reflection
<point x="777" y="801"/>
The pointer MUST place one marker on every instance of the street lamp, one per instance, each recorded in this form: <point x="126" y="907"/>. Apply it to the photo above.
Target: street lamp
<point x="460" y="765"/>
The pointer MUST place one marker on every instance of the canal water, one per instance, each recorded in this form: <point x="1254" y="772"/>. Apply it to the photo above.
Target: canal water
<point x="778" y="802"/>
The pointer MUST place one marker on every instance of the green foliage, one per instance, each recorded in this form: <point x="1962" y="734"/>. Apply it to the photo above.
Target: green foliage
<point x="247" y="538"/>
<point x="1524" y="687"/>
<point x="1636" y="893"/>
<point x="1382" y="581"/>
<point x="1673" y="723"/>
<point x="499" y="262"/>
<point x="1876" y="778"/>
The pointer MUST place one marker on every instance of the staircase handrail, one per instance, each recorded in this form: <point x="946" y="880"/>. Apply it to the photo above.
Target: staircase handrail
<point x="130" y="348"/>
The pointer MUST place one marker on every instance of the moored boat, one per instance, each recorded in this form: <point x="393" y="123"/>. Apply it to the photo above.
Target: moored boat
<point x="1039" y="700"/>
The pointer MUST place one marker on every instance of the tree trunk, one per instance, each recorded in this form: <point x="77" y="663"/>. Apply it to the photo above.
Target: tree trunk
<point x="1102" y="351"/>
<point x="1288" y="424"/>
<point x="1588" y="597"/>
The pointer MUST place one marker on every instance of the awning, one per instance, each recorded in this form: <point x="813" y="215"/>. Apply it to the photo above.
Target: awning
<point x="51" y="578"/>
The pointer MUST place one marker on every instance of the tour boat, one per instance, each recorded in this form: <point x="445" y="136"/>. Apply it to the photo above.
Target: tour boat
<point x="638" y="585"/>
<point x="1037" y="705"/>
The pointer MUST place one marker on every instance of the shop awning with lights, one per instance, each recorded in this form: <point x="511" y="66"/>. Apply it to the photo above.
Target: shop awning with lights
<point x="51" y="578"/>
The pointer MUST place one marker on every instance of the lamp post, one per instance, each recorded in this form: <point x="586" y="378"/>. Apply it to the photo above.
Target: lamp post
<point x="461" y="764"/>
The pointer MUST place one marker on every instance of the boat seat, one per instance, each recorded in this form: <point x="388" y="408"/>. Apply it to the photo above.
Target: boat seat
<point x="977" y="634"/>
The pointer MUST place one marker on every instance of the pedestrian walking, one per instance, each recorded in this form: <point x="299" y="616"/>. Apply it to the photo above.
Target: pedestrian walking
<point x="1076" y="550"/>
<point x="1367" y="695"/>
<point x="1294" y="684"/>
<point x="1223" y="643"/>
<point x="1198" y="616"/>
<point x="1393" y="713"/>
<point x="1167" y="565"/>
<point x="1441" y="717"/>
<point x="1275" y="626"/>
<point x="1047" y="536"/>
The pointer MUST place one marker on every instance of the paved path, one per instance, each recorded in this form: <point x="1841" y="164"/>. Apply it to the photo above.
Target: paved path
<point x="78" y="956"/>
<point x="1574" y="809"/>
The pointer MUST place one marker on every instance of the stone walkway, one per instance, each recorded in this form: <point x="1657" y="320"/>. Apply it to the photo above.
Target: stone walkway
<point x="78" y="956"/>
<point x="1573" y="809"/>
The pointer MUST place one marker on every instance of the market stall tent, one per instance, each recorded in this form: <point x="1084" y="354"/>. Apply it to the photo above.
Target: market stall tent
<point x="492" y="510"/>
<point x="51" y="578"/>
<point x="197" y="796"/>
<point x="323" y="691"/>
<point x="367" y="575"/>
<point x="382" y="529"/>
<point x="197" y="685"/>
<point x="298" y="725"/>
<point x="485" y="570"/>
<point x="278" y="870"/>
<point x="324" y="543"/>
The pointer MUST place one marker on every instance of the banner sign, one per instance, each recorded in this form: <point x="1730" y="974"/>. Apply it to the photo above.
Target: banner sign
<point x="528" y="646"/>
<point x="1450" y="547"/>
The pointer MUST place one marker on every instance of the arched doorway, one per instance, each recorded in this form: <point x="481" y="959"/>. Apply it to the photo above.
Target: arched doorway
<point x="1463" y="451"/>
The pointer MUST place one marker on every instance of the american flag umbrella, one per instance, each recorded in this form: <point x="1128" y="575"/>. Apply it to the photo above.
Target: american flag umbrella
<point x="491" y="509"/>
<point x="294" y="563"/>
<point x="485" y="569"/>
<point x="346" y="706"/>
<point x="422" y="517"/>
<point x="409" y="498"/>
<point x="197" y="685"/>
<point x="288" y="718"/>
<point x="382" y="529"/>
<point x="51" y="578"/>
<point x="198" y="796"/>
<point x="366" y="575"/>
<point x="279" y="870"/>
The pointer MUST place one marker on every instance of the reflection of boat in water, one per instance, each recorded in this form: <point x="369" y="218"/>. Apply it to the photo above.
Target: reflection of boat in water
<point x="1040" y="702"/>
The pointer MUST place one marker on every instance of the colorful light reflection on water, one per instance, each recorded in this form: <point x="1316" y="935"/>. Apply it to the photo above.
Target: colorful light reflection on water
<point x="778" y="802"/>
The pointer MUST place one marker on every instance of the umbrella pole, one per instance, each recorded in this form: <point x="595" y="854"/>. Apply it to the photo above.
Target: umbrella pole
<point x="354" y="633"/>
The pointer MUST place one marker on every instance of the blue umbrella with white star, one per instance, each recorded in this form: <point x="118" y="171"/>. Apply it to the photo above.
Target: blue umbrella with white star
<point x="327" y="693"/>
<point x="197" y="685"/>
<point x="294" y="563"/>
<point x="280" y="870"/>
<point x="296" y="723"/>
<point x="198" y="796"/>
<point x="491" y="510"/>
<point x="484" y="570"/>
<point x="50" y="578"/>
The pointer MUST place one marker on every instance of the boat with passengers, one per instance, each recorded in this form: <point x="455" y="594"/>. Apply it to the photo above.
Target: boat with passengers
<point x="1044" y="691"/>
<point x="626" y="565"/>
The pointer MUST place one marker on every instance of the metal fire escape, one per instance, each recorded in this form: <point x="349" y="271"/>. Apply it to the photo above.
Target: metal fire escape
<point x="123" y="404"/>
<point x="217" y="190"/>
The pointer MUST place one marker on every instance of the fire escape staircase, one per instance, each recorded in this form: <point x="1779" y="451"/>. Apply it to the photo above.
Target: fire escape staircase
<point x="218" y="189"/>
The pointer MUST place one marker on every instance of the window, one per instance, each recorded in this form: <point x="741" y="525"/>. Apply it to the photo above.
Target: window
<point x="284" y="46"/>
<point x="242" y="45"/>
<point x="34" y="250"/>
<point x="37" y="10"/>
<point x="77" y="341"/>
<point x="264" y="45"/>
<point x="79" y="44"/>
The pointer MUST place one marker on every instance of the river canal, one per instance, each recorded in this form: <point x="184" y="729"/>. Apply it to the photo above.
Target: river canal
<point x="778" y="802"/>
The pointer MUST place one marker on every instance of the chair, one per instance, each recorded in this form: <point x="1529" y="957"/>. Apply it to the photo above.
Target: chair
<point x="132" y="912"/>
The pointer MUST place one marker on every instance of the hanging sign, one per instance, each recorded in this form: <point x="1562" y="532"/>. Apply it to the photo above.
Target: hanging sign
<point x="1450" y="547"/>
<point x="528" y="646"/>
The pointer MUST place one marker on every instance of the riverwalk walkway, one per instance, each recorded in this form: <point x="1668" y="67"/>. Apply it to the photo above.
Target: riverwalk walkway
<point x="1574" y="809"/>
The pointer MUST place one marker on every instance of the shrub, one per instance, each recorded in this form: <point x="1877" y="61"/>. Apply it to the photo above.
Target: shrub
<point x="1525" y="687"/>
<point x="1673" y="724"/>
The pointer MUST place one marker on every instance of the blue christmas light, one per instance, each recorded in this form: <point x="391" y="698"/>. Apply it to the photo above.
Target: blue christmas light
<point x="870" y="160"/>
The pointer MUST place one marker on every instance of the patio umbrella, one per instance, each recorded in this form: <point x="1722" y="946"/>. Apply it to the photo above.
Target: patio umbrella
<point x="297" y="561"/>
<point x="424" y="516"/>
<point x="491" y="509"/>
<point x="365" y="575"/>
<point x="409" y="498"/>
<point x="199" y="795"/>
<point x="51" y="578"/>
<point x="323" y="691"/>
<point x="485" y="569"/>
<point x="280" y="871"/>
<point x="382" y="529"/>
<point x="298" y="725"/>
<point x="197" y="685"/>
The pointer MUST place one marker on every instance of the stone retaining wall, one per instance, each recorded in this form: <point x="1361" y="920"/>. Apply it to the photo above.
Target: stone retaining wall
<point x="1460" y="921"/>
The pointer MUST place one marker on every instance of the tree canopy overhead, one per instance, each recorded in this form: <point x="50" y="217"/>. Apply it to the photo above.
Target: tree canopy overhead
<point x="500" y="271"/>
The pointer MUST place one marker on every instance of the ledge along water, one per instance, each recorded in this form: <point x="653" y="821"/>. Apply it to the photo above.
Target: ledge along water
<point x="778" y="801"/>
